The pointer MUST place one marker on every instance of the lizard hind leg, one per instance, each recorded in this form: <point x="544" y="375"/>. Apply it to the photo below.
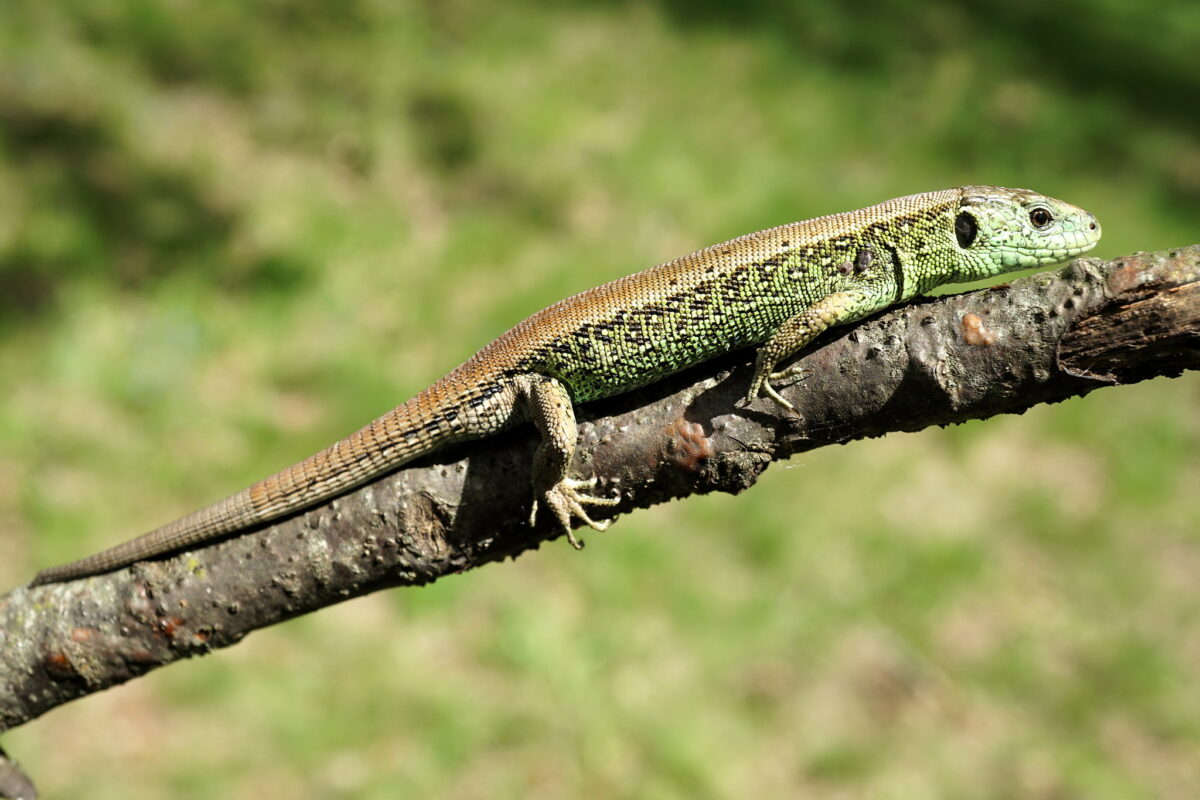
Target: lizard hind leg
<point x="552" y="411"/>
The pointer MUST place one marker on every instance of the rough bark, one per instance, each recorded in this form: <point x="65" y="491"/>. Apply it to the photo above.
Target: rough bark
<point x="933" y="362"/>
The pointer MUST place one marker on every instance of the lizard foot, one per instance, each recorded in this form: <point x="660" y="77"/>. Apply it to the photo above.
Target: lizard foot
<point x="566" y="500"/>
<point x="763" y="386"/>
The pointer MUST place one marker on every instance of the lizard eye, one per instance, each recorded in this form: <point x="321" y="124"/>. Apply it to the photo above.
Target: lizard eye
<point x="1040" y="217"/>
<point x="965" y="229"/>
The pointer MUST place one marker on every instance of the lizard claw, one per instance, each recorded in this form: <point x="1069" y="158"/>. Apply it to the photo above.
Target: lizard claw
<point x="566" y="501"/>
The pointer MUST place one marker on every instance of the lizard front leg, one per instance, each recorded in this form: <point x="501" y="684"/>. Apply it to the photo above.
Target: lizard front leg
<point x="553" y="414"/>
<point x="794" y="334"/>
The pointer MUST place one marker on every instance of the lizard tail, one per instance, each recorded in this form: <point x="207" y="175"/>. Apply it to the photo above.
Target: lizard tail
<point x="424" y="423"/>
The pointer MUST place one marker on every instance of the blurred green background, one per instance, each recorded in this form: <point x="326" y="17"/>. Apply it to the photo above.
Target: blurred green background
<point x="233" y="232"/>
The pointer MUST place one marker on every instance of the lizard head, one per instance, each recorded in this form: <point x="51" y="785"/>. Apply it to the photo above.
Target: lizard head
<point x="1000" y="230"/>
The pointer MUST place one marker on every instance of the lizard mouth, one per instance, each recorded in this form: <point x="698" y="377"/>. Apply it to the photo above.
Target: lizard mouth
<point x="1069" y="245"/>
<point x="1078" y="250"/>
<point x="1054" y="256"/>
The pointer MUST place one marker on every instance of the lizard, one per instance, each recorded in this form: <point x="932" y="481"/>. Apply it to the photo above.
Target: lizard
<point x="778" y="288"/>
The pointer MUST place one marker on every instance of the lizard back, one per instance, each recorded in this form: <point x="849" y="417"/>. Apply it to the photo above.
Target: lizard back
<point x="637" y="329"/>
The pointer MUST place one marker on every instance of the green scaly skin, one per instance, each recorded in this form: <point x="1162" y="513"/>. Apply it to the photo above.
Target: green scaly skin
<point x="778" y="288"/>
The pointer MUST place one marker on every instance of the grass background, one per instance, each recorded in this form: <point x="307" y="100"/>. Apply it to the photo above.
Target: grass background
<point x="231" y="233"/>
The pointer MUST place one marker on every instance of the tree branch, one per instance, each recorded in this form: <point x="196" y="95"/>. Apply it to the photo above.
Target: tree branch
<point x="933" y="362"/>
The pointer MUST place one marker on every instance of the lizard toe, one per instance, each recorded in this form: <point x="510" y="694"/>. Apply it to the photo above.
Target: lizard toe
<point x="567" y="502"/>
<point x="793" y="374"/>
<point x="779" y="399"/>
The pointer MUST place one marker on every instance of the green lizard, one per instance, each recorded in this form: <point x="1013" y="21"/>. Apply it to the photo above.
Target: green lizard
<point x="779" y="288"/>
